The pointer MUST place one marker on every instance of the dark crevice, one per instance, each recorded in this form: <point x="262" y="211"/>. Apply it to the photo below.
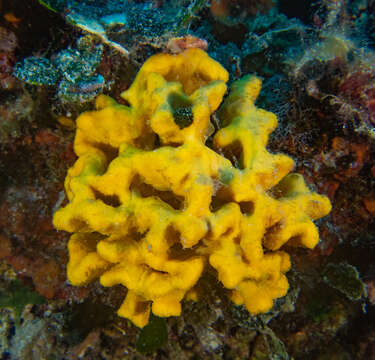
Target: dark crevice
<point x="221" y="197"/>
<point x="109" y="151"/>
<point x="147" y="141"/>
<point x="295" y="240"/>
<point x="184" y="179"/>
<point x="237" y="241"/>
<point x="234" y="153"/>
<point x="281" y="190"/>
<point x="142" y="306"/>
<point x="148" y="267"/>
<point x="172" y="235"/>
<point x="136" y="235"/>
<point x="247" y="207"/>
<point x="145" y="190"/>
<point x="173" y="144"/>
<point x="79" y="224"/>
<point x="110" y="200"/>
<point x="177" y="252"/>
<point x="217" y="203"/>
<point x="157" y="141"/>
<point x="272" y="230"/>
<point x="243" y="256"/>
<point x="228" y="231"/>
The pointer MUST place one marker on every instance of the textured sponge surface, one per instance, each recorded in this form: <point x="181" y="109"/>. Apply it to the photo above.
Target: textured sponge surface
<point x="151" y="205"/>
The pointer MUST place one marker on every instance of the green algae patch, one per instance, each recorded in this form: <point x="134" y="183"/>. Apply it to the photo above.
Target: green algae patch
<point x="346" y="279"/>
<point x="225" y="176"/>
<point x="49" y="7"/>
<point x="16" y="296"/>
<point x="153" y="336"/>
<point x="320" y="312"/>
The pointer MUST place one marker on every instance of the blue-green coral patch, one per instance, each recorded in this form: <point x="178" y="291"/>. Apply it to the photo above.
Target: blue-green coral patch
<point x="37" y="71"/>
<point x="72" y="70"/>
<point x="81" y="91"/>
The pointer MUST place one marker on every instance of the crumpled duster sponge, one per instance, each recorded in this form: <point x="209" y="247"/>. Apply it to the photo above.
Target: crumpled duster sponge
<point x="159" y="194"/>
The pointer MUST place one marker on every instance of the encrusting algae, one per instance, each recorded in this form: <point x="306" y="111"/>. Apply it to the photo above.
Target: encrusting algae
<point x="151" y="206"/>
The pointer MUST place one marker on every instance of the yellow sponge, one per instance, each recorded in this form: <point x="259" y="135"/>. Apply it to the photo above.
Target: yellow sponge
<point x="151" y="205"/>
